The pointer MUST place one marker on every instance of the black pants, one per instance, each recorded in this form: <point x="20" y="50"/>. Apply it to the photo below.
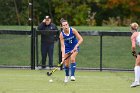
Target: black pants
<point x="47" y="50"/>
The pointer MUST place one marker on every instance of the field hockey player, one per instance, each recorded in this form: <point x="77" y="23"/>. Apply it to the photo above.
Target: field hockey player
<point x="70" y="40"/>
<point x="135" y="39"/>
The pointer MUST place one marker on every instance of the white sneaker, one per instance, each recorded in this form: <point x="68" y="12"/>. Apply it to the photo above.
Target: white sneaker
<point x="134" y="84"/>
<point x="72" y="78"/>
<point x="66" y="79"/>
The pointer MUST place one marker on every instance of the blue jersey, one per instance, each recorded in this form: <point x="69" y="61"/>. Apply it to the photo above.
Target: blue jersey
<point x="70" y="41"/>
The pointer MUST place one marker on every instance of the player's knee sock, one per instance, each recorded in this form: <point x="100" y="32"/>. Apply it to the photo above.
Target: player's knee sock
<point x="67" y="71"/>
<point x="137" y="73"/>
<point x="73" y="67"/>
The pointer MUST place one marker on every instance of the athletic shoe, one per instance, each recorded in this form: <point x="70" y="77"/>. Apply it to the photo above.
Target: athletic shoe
<point x="72" y="78"/>
<point x="134" y="84"/>
<point x="66" y="79"/>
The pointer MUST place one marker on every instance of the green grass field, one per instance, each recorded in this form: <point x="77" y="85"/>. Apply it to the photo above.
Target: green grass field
<point x="36" y="81"/>
<point x="79" y="28"/>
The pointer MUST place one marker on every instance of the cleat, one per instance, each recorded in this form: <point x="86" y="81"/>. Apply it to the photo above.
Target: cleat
<point x="66" y="79"/>
<point x="72" y="78"/>
<point x="134" y="84"/>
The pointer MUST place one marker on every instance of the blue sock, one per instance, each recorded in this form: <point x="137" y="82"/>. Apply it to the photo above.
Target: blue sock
<point x="67" y="71"/>
<point x="73" y="67"/>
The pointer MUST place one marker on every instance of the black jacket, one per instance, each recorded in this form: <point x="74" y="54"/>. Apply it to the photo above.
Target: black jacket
<point x="48" y="37"/>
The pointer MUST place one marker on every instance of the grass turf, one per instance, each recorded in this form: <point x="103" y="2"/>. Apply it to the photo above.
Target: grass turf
<point x="36" y="81"/>
<point x="79" y="28"/>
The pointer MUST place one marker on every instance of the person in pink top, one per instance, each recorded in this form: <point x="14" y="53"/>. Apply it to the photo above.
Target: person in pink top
<point x="135" y="40"/>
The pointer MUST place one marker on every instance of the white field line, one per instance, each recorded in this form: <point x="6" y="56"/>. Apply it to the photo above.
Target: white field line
<point x="101" y="89"/>
<point x="22" y="89"/>
<point x="20" y="75"/>
<point x="95" y="76"/>
<point x="29" y="75"/>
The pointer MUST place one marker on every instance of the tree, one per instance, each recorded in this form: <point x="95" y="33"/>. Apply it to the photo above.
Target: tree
<point x="75" y="11"/>
<point x="125" y="9"/>
<point x="14" y="12"/>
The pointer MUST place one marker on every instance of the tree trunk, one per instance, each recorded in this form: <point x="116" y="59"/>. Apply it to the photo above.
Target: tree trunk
<point x="18" y="19"/>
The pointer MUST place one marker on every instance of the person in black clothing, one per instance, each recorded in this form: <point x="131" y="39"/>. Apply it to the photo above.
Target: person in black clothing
<point x="47" y="40"/>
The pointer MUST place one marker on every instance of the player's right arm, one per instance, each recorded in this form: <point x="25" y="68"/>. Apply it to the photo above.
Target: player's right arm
<point x="62" y="45"/>
<point x="133" y="41"/>
<point x="42" y="25"/>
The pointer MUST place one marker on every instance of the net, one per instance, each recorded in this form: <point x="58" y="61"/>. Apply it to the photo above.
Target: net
<point x="117" y="52"/>
<point x="15" y="48"/>
<point x="15" y="33"/>
<point x="106" y="51"/>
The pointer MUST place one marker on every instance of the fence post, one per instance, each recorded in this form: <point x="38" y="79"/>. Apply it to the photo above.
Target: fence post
<point x="101" y="53"/>
<point x="33" y="49"/>
<point x="32" y="37"/>
<point x="59" y="52"/>
<point x="36" y="42"/>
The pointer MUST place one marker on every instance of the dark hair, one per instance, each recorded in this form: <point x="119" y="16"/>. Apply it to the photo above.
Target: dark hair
<point x="63" y="20"/>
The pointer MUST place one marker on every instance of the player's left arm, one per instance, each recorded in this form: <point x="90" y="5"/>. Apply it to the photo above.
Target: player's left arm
<point x="79" y="37"/>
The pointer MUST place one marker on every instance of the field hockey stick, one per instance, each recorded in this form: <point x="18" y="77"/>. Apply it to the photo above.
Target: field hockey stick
<point x="56" y="68"/>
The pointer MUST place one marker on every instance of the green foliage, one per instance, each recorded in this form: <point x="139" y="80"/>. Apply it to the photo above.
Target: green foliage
<point x="74" y="11"/>
<point x="17" y="12"/>
<point x="7" y="12"/>
<point x="127" y="10"/>
<point x="80" y="17"/>
<point x="14" y="12"/>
